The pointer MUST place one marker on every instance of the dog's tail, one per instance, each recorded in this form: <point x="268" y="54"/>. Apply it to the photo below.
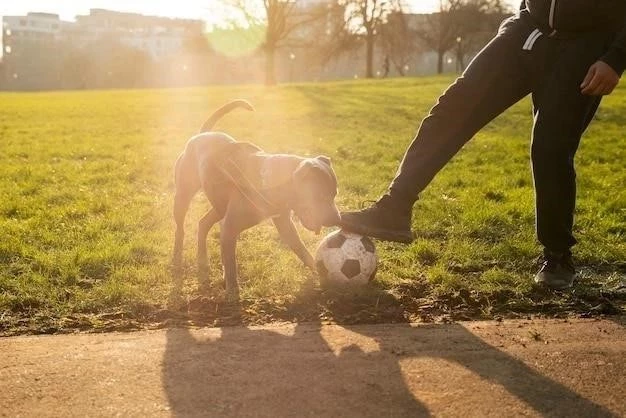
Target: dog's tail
<point x="219" y="113"/>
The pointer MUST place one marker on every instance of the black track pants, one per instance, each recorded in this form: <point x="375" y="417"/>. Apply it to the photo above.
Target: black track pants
<point x="514" y="64"/>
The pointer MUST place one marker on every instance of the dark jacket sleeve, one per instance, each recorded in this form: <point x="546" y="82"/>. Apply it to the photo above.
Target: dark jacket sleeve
<point x="616" y="56"/>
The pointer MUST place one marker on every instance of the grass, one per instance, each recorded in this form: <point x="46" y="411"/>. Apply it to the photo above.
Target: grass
<point x="86" y="194"/>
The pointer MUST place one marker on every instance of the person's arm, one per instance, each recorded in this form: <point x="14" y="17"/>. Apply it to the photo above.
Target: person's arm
<point x="604" y="75"/>
<point x="616" y="56"/>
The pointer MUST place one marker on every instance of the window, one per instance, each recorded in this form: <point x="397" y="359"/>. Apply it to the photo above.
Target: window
<point x="55" y="26"/>
<point x="8" y="32"/>
<point x="7" y="49"/>
<point x="22" y="22"/>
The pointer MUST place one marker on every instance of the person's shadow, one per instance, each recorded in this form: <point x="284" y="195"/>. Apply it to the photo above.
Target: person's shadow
<point x="311" y="370"/>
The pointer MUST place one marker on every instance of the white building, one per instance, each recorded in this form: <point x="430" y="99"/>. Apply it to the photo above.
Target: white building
<point x="159" y="37"/>
<point x="34" y="27"/>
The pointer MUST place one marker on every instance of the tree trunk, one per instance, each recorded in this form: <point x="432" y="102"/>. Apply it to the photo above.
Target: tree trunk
<point x="369" y="58"/>
<point x="440" y="56"/>
<point x="270" y="68"/>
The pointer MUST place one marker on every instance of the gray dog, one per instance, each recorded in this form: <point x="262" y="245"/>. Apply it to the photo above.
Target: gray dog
<point x="245" y="186"/>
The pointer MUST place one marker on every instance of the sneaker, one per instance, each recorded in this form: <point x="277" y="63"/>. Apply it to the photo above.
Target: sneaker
<point x="384" y="220"/>
<point x="557" y="271"/>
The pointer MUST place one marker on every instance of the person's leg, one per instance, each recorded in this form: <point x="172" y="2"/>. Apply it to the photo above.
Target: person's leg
<point x="497" y="78"/>
<point x="562" y="113"/>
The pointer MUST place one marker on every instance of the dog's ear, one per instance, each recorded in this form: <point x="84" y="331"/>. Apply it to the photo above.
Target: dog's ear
<point x="324" y="159"/>
<point x="305" y="168"/>
<point x="319" y="165"/>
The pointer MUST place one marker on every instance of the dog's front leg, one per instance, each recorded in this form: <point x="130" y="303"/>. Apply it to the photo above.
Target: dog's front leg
<point x="228" y="243"/>
<point x="289" y="235"/>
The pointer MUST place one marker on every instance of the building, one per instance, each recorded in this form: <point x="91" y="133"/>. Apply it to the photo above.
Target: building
<point x="34" y="44"/>
<point x="34" y="26"/>
<point x="157" y="36"/>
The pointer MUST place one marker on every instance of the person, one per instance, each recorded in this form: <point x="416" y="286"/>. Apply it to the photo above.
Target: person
<point x="386" y="66"/>
<point x="567" y="54"/>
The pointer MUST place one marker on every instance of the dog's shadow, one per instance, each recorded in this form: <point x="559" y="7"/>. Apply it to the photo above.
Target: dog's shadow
<point x="288" y="372"/>
<point x="362" y="370"/>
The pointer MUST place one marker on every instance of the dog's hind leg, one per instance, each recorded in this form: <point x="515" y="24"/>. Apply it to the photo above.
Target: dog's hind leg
<point x="204" y="226"/>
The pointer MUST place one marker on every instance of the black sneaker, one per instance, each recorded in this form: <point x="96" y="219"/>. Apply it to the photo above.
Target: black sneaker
<point x="384" y="220"/>
<point x="557" y="271"/>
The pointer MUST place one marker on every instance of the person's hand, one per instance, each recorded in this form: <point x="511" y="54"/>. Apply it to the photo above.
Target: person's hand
<point x="600" y="80"/>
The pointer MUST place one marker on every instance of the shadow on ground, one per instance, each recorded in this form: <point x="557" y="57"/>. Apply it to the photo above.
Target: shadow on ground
<point x="308" y="372"/>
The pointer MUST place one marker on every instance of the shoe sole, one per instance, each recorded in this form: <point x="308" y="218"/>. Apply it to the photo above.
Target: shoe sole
<point x="553" y="286"/>
<point x="379" y="234"/>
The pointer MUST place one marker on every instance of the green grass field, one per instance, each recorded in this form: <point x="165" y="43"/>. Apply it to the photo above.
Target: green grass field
<point x="86" y="193"/>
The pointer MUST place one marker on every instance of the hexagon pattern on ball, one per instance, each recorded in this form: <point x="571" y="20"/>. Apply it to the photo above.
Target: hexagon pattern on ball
<point x="346" y="258"/>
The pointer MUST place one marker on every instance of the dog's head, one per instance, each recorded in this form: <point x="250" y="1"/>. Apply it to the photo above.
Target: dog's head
<point x="315" y="191"/>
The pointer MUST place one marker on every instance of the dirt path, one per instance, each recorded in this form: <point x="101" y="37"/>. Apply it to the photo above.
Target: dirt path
<point x="530" y="368"/>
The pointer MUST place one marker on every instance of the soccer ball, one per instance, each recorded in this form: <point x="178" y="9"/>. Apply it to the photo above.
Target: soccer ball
<point x="346" y="258"/>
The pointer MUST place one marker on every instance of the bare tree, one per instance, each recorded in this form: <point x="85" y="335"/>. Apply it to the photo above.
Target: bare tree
<point x="336" y="38"/>
<point x="477" y="21"/>
<point x="455" y="25"/>
<point x="281" y="19"/>
<point x="366" y="18"/>
<point x="439" y="30"/>
<point x="398" y="41"/>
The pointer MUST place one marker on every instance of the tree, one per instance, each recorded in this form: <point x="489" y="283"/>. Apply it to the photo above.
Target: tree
<point x="110" y="63"/>
<point x="477" y="21"/>
<point x="439" y="30"/>
<point x="281" y="19"/>
<point x="455" y="24"/>
<point x="2" y="75"/>
<point x="366" y="18"/>
<point x="398" y="41"/>
<point x="336" y="38"/>
<point x="76" y="68"/>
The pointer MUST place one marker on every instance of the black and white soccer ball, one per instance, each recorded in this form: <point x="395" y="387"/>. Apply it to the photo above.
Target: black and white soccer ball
<point x="346" y="258"/>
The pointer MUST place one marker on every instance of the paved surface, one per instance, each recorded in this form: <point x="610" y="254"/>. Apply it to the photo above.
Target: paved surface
<point x="519" y="368"/>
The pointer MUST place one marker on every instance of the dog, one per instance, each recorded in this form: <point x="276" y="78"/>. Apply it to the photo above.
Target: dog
<point x="245" y="186"/>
